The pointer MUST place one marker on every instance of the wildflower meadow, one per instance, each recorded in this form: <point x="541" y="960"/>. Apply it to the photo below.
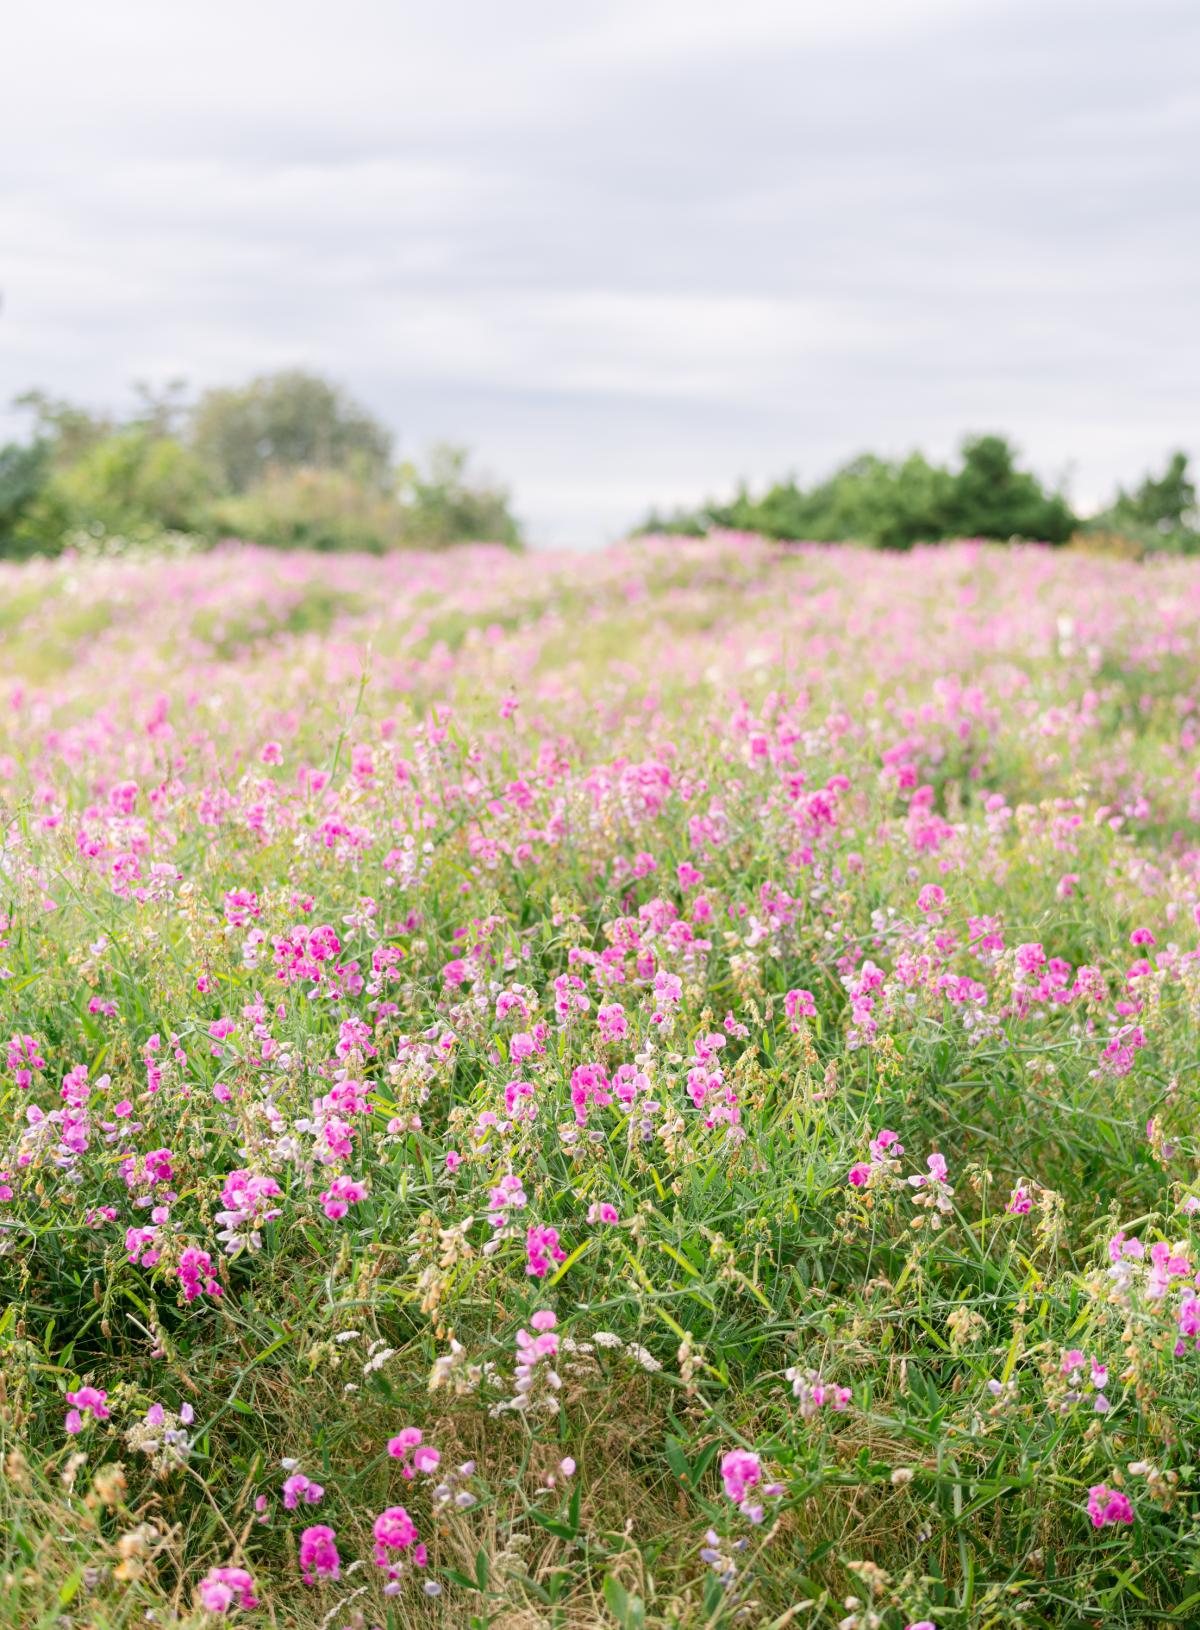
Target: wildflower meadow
<point x="639" y="1090"/>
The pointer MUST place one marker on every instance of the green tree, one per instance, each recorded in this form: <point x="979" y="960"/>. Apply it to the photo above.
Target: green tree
<point x="894" y="506"/>
<point x="1168" y="504"/>
<point x="443" y="506"/>
<point x="133" y="483"/>
<point x="991" y="498"/>
<point x="67" y="429"/>
<point x="24" y="472"/>
<point x="286" y="421"/>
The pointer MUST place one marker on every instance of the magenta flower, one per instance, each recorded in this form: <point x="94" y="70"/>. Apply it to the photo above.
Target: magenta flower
<point x="799" y="1004"/>
<point x="341" y="1194"/>
<point x="542" y="1251"/>
<point x="1107" y="1505"/>
<point x="414" y="1455"/>
<point x="196" y="1274"/>
<point x="394" y="1530"/>
<point x="87" y="1401"/>
<point x="319" y="1557"/>
<point x="226" y="1590"/>
<point x="741" y="1470"/>
<point x="297" y="1487"/>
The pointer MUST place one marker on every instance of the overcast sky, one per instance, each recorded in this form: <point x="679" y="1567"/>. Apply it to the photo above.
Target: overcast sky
<point x="628" y="251"/>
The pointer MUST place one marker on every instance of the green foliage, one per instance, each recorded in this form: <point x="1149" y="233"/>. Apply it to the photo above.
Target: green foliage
<point x="135" y="482"/>
<point x="287" y="421"/>
<point x="331" y="511"/>
<point x="69" y="430"/>
<point x="896" y="505"/>
<point x="991" y="498"/>
<point x="325" y="510"/>
<point x="1159" y="515"/>
<point x="288" y="461"/>
<point x="1168" y="503"/>
<point x="442" y="506"/>
<point x="23" y="474"/>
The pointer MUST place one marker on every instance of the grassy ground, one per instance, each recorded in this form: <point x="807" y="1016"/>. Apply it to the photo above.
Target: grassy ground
<point x="705" y="1036"/>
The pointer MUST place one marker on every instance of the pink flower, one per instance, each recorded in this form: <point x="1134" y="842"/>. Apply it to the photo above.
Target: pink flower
<point x="858" y="1175"/>
<point x="931" y="897"/>
<point x="415" y="1456"/>
<point x="225" y="1590"/>
<point x="394" y="1530"/>
<point x="799" y="1004"/>
<point x="542" y="1250"/>
<point x="1107" y="1505"/>
<point x="297" y="1488"/>
<point x="24" y="1057"/>
<point x="196" y="1274"/>
<point x="937" y="1172"/>
<point x="612" y="1022"/>
<point x="87" y="1401"/>
<point x="1020" y="1202"/>
<point x="741" y="1470"/>
<point x="319" y="1557"/>
<point x="886" y="1146"/>
<point x="341" y="1194"/>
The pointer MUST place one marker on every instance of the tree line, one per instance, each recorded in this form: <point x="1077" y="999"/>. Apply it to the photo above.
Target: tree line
<point x="288" y="460"/>
<point x="897" y="504"/>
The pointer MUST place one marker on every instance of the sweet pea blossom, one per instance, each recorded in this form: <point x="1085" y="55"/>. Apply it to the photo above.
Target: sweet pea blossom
<point x="226" y="1590"/>
<point x="414" y="1455"/>
<point x="341" y="1194"/>
<point x="741" y="1471"/>
<point x="87" y="1401"/>
<point x="1107" y="1506"/>
<point x="297" y="1488"/>
<point x="319" y="1557"/>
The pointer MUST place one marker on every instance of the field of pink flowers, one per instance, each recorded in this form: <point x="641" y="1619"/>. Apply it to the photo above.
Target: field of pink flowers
<point x="649" y="1090"/>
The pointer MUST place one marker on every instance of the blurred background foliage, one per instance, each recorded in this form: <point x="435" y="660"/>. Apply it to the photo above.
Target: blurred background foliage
<point x="894" y="505"/>
<point x="288" y="460"/>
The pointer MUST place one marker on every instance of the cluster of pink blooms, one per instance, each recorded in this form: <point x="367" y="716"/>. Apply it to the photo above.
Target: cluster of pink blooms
<point x="1107" y="1506"/>
<point x="23" y="1059"/>
<point x="847" y="821"/>
<point x="742" y="1479"/>
<point x="246" y="1208"/>
<point x="341" y="1194"/>
<point x="413" y="1453"/>
<point x="226" y="1590"/>
<point x="885" y="1149"/>
<point x="813" y="1395"/>
<point x="319" y="1559"/>
<point x="195" y="1272"/>
<point x="1075" y="1367"/>
<point x="542" y="1251"/>
<point x="86" y="1401"/>
<point x="297" y="1488"/>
